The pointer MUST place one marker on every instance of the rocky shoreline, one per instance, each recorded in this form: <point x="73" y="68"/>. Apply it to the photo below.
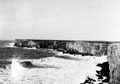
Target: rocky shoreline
<point x="93" y="48"/>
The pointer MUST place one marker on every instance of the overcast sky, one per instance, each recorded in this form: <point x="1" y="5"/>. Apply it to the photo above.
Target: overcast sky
<point x="60" y="19"/>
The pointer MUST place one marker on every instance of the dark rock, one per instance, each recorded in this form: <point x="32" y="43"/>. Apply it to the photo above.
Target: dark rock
<point x="104" y="72"/>
<point x="27" y="64"/>
<point x="89" y="81"/>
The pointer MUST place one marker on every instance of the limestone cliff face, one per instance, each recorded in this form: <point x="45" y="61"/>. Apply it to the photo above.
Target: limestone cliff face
<point x="72" y="47"/>
<point x="89" y="48"/>
<point x="114" y="63"/>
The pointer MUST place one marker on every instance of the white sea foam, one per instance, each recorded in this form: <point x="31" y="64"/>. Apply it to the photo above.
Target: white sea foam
<point x="9" y="44"/>
<point x="17" y="70"/>
<point x="68" y="71"/>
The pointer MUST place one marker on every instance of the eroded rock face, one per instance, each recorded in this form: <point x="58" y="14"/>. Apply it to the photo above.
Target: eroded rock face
<point x="114" y="62"/>
<point x="72" y="47"/>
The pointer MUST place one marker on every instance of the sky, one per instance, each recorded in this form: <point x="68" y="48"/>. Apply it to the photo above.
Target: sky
<point x="60" y="19"/>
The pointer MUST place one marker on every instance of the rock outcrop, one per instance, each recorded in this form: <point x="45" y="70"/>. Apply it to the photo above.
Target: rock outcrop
<point x="114" y="63"/>
<point x="104" y="72"/>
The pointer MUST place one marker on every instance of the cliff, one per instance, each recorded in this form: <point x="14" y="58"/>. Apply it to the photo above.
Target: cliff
<point x="96" y="48"/>
<point x="114" y="62"/>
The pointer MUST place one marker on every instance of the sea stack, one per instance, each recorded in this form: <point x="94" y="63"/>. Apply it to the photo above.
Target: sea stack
<point x="114" y="62"/>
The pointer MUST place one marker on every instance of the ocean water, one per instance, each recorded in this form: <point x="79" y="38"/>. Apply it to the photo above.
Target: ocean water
<point x="6" y="43"/>
<point x="6" y="53"/>
<point x="43" y="66"/>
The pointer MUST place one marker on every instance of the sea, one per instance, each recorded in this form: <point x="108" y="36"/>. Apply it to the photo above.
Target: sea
<point x="44" y="66"/>
<point x="6" y="43"/>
